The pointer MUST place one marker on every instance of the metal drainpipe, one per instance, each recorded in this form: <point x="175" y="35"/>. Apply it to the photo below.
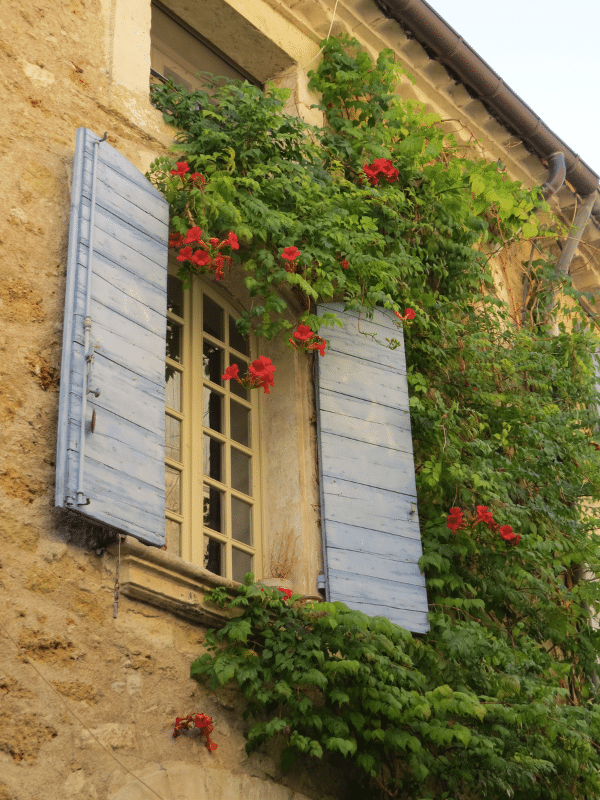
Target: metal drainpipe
<point x="581" y="220"/>
<point x="582" y="217"/>
<point x="558" y="172"/>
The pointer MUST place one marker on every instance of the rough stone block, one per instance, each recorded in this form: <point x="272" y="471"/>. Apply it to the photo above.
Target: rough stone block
<point x="112" y="735"/>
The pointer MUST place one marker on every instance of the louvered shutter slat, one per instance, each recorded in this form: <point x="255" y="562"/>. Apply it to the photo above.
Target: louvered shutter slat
<point x="370" y="527"/>
<point x="123" y="447"/>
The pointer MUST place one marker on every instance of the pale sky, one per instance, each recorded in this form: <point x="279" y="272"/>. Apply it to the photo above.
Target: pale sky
<point x="547" y="51"/>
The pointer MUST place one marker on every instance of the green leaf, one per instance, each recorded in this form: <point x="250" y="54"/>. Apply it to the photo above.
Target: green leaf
<point x="314" y="678"/>
<point x="344" y="746"/>
<point x="530" y="230"/>
<point x="239" y="631"/>
<point x="224" y="668"/>
<point x="338" y="696"/>
<point x="478" y="185"/>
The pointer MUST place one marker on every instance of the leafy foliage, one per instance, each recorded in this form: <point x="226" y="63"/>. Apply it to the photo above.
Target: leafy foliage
<point x="498" y="699"/>
<point x="277" y="182"/>
<point x="462" y="712"/>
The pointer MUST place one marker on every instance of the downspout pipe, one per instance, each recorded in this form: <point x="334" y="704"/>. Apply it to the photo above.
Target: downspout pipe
<point x="574" y="238"/>
<point x="558" y="172"/>
<point x="563" y="266"/>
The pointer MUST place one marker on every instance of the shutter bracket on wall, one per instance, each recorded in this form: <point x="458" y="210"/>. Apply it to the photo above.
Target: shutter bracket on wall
<point x="87" y="328"/>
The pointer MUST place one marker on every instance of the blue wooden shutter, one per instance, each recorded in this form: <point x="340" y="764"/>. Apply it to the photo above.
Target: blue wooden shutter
<point x="110" y="467"/>
<point x="371" y="536"/>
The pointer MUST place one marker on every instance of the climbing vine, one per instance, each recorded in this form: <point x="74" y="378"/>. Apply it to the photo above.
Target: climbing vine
<point x="382" y="207"/>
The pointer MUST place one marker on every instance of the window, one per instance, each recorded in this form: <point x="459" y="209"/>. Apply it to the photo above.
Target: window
<point x="180" y="53"/>
<point x="117" y="439"/>
<point x="211" y="442"/>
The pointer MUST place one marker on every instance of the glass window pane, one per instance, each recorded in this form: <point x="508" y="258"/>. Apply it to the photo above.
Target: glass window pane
<point x="212" y="508"/>
<point x="240" y="423"/>
<point x="241" y="471"/>
<point x="213" y="555"/>
<point x="212" y="403"/>
<point x="241" y="521"/>
<point x="174" y="340"/>
<point x="212" y="462"/>
<point x="213" y="362"/>
<point x="173" y="490"/>
<point x="173" y="537"/>
<point x="241" y="563"/>
<point x="236" y="339"/>
<point x="212" y="318"/>
<point x="234" y="385"/>
<point x="174" y="295"/>
<point x="173" y="388"/>
<point x="172" y="438"/>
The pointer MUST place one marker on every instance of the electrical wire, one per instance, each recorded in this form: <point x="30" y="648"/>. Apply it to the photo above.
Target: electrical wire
<point x="303" y="66"/>
<point x="70" y="710"/>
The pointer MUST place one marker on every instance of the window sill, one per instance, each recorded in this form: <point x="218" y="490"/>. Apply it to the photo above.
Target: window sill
<point x="170" y="583"/>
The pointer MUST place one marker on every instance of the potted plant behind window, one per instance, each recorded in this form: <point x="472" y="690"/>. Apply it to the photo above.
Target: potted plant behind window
<point x="281" y="563"/>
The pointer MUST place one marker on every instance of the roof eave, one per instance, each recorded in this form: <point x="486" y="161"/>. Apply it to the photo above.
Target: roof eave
<point x="450" y="49"/>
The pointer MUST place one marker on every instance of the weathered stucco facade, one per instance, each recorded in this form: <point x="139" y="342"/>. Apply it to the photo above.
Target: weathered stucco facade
<point x="87" y="700"/>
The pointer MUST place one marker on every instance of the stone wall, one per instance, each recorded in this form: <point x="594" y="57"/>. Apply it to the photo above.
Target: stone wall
<point x="86" y="700"/>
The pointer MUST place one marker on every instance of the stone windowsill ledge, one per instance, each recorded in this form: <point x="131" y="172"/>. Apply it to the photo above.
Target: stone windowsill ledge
<point x="168" y="582"/>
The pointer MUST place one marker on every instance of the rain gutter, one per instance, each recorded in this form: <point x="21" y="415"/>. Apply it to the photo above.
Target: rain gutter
<point x="430" y="30"/>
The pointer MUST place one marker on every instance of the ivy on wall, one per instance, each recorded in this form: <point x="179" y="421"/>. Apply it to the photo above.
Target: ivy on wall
<point x="383" y="207"/>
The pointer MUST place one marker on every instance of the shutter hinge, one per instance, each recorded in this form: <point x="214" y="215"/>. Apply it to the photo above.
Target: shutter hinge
<point x="90" y="361"/>
<point x="95" y="390"/>
<point x="71" y="502"/>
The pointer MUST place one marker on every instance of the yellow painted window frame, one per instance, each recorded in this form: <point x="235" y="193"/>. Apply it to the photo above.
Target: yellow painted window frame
<point x="192" y="531"/>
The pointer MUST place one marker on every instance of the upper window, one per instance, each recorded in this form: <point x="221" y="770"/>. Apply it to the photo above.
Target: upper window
<point x="180" y="53"/>
<point x="211" y="472"/>
<point x="211" y="444"/>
